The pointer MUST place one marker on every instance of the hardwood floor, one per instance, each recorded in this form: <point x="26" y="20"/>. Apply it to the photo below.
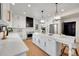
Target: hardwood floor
<point x="33" y="49"/>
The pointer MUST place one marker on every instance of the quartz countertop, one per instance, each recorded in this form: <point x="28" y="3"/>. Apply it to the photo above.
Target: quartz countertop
<point x="59" y="38"/>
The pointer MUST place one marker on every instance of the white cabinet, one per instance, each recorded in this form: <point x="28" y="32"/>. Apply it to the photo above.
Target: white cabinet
<point x="46" y="43"/>
<point x="21" y="32"/>
<point x="51" y="46"/>
<point x="43" y="43"/>
<point x="34" y="38"/>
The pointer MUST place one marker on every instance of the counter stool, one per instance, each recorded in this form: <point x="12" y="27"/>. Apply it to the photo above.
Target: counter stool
<point x="75" y="46"/>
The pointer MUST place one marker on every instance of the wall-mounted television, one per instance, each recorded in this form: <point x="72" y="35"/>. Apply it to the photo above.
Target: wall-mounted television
<point x="69" y="28"/>
<point x="29" y="22"/>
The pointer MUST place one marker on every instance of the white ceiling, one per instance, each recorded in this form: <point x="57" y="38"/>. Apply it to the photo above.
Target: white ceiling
<point x="49" y="9"/>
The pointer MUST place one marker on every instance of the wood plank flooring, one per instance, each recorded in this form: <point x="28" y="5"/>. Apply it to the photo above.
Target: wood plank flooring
<point x="33" y="49"/>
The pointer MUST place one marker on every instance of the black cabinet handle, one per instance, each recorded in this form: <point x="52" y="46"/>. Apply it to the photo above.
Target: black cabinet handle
<point x="49" y="39"/>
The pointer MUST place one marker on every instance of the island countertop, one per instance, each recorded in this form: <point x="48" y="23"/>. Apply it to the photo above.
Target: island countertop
<point x="12" y="46"/>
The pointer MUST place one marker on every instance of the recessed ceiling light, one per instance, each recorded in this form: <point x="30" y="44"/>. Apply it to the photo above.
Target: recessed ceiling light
<point x="24" y="12"/>
<point x="29" y="5"/>
<point x="62" y="10"/>
<point x="13" y="3"/>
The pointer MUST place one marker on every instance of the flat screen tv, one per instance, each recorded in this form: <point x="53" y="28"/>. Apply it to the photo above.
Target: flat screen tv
<point x="29" y="22"/>
<point x="69" y="28"/>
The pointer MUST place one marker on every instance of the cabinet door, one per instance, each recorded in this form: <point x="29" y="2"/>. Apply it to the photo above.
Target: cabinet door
<point x="43" y="43"/>
<point x="33" y="38"/>
<point x="40" y="41"/>
<point x="51" y="47"/>
<point x="37" y="40"/>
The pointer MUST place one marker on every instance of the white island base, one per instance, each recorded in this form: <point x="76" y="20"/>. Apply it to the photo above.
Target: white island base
<point x="51" y="43"/>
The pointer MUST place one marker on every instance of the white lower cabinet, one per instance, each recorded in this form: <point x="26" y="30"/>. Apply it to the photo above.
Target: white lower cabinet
<point x="51" y="47"/>
<point x="33" y="38"/>
<point x="42" y="41"/>
<point x="46" y="43"/>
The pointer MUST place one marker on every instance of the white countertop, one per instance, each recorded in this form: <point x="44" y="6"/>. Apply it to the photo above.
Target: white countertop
<point x="59" y="38"/>
<point x="12" y="46"/>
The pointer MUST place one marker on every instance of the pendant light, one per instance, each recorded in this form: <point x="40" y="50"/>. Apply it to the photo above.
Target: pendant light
<point x="56" y="17"/>
<point x="42" y="20"/>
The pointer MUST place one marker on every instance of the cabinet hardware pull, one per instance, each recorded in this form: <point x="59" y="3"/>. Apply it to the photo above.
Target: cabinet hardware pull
<point x="49" y="39"/>
<point x="39" y="41"/>
<point x="44" y="43"/>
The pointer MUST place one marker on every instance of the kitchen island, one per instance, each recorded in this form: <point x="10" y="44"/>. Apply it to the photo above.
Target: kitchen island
<point x="51" y="43"/>
<point x="13" y="46"/>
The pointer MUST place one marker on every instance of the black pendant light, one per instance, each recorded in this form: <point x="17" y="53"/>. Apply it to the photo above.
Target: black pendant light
<point x="42" y="20"/>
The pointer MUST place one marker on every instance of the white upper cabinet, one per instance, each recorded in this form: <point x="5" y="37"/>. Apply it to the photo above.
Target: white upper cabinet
<point x="18" y="22"/>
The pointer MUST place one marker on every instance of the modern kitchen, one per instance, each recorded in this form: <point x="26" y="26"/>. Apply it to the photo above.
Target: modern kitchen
<point x="39" y="29"/>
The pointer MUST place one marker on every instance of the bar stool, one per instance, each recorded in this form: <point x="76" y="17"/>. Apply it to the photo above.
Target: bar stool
<point x="74" y="47"/>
